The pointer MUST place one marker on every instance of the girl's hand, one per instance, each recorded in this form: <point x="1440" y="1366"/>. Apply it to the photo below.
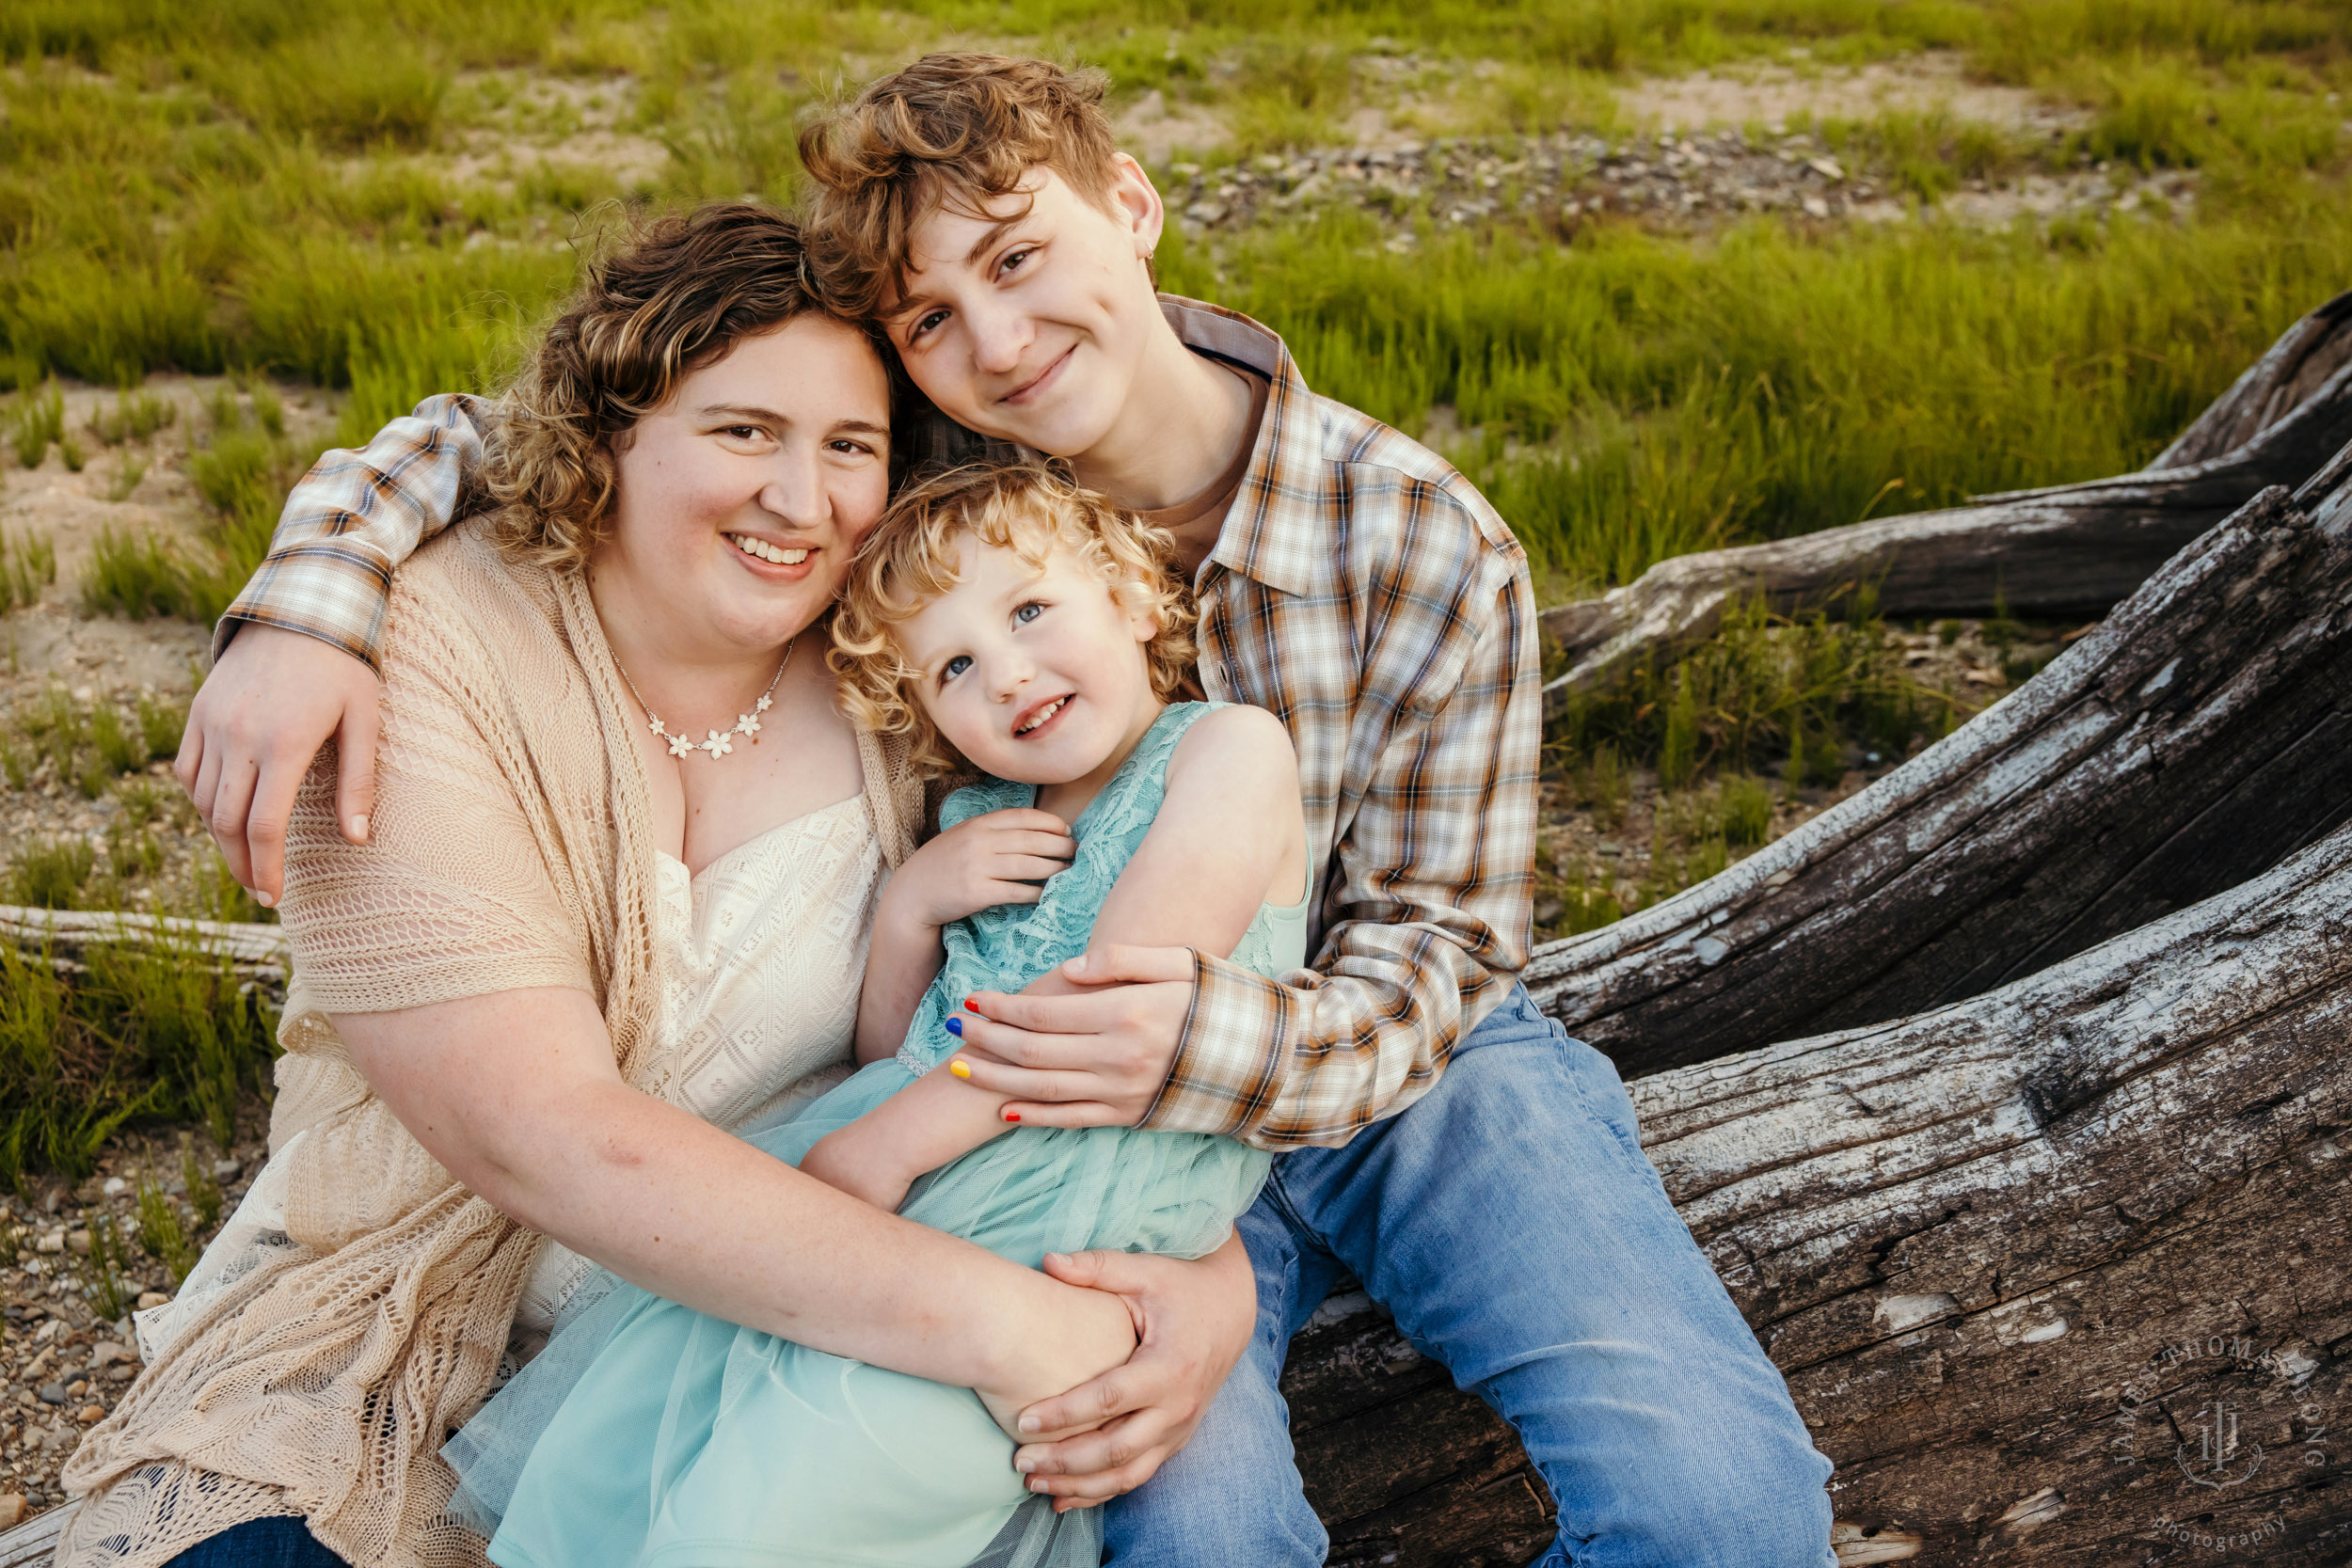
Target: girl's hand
<point x="998" y="858"/>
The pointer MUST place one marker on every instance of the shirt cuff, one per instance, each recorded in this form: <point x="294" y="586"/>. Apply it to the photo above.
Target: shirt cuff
<point x="1230" y="1058"/>
<point x="323" y="588"/>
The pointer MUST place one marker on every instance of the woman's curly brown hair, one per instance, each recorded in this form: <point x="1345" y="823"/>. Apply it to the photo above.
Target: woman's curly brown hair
<point x="909" y="558"/>
<point x="675" y="293"/>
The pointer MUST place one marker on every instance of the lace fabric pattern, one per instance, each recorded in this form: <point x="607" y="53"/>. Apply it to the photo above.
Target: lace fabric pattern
<point x="762" y="954"/>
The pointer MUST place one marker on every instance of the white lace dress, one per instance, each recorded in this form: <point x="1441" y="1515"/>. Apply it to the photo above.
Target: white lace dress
<point x="761" y="956"/>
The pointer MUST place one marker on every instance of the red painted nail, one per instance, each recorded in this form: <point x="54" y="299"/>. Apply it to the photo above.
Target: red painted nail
<point x="970" y="1006"/>
<point x="1012" y="1115"/>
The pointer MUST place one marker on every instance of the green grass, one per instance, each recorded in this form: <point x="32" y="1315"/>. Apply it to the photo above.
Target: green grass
<point x="36" y="421"/>
<point x="159" y="1033"/>
<point x="1813" y="696"/>
<point x="90" y="745"/>
<point x="271" y="188"/>
<point x="1637" y="397"/>
<point x="27" y="565"/>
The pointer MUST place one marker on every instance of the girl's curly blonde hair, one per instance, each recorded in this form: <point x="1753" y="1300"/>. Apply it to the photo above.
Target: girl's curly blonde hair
<point x="909" y="558"/>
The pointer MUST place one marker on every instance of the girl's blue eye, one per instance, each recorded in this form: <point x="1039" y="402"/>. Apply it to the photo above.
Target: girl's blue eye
<point x="955" y="667"/>
<point x="1029" y="612"/>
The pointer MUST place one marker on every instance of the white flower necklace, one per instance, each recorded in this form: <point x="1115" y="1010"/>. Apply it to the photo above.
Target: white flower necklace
<point x="721" y="741"/>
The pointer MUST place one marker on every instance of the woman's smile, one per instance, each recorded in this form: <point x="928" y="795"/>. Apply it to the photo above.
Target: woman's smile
<point x="772" y="562"/>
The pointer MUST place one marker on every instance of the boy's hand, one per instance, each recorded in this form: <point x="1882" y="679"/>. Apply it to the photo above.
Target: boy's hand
<point x="1095" y="1059"/>
<point x="1193" y="1320"/>
<point x="993" y="858"/>
<point x="274" y="699"/>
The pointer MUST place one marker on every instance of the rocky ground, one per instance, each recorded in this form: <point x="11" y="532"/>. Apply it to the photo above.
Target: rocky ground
<point x="1668" y="179"/>
<point x="63" y="1361"/>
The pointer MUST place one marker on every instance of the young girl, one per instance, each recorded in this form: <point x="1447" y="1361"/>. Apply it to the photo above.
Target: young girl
<point x="1019" y="626"/>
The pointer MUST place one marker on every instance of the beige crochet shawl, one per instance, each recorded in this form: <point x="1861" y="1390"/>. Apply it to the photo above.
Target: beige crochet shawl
<point x="511" y="848"/>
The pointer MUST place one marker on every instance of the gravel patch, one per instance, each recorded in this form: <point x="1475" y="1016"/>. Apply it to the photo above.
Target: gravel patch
<point x="1673" y="182"/>
<point x="64" y="1365"/>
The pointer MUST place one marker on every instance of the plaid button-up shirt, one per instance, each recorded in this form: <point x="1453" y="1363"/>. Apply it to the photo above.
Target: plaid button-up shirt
<point x="1360" y="590"/>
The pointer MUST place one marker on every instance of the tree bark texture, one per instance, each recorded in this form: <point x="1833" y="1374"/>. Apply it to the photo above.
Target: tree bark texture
<point x="2198" y="734"/>
<point x="2059" y="1275"/>
<point x="2068" y="552"/>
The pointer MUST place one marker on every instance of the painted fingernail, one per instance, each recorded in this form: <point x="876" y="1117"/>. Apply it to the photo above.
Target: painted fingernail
<point x="267" y="901"/>
<point x="1031" y="1423"/>
<point x="954" y="1026"/>
<point x="969" y="1006"/>
<point x="1009" y="1116"/>
<point x="358" y="830"/>
<point x="961" y="1068"/>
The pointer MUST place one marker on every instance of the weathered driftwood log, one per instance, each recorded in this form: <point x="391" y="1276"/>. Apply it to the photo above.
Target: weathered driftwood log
<point x="2190" y="741"/>
<point x="256" y="952"/>
<point x="2073" y="550"/>
<point x="2057" y="1274"/>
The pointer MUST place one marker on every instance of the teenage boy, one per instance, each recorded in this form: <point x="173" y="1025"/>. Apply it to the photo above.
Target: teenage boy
<point x="1446" y="1144"/>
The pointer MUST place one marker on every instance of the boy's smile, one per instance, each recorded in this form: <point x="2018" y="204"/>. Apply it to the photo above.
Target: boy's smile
<point x="1035" y="320"/>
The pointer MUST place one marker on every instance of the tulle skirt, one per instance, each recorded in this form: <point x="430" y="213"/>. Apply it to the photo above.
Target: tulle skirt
<point x="648" y="1434"/>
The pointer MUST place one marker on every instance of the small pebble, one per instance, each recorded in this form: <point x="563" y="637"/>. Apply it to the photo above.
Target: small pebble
<point x="53" y="1393"/>
<point x="152" y="1298"/>
<point x="77" y="1243"/>
<point x="225" y="1171"/>
<point x="51" y="1241"/>
<point x="115" y="1186"/>
<point x="91" y="1415"/>
<point x="12" y="1509"/>
<point x="107" y="1352"/>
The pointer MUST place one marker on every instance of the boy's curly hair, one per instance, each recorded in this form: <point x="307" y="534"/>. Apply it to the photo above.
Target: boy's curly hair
<point x="909" y="558"/>
<point x="957" y="131"/>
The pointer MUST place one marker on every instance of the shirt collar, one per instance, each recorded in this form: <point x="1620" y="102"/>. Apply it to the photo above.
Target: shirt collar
<point x="1271" y="533"/>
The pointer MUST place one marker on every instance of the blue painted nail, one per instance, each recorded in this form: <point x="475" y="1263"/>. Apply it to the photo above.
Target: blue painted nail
<point x="954" y="1026"/>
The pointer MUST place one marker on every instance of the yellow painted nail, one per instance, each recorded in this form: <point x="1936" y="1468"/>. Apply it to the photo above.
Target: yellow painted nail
<point x="960" y="1068"/>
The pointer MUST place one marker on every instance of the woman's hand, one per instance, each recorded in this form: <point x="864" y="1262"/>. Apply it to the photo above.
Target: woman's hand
<point x="1084" y="1334"/>
<point x="998" y="858"/>
<point x="1193" y="1320"/>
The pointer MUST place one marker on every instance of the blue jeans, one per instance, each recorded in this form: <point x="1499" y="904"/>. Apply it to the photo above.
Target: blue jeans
<point x="280" y="1542"/>
<point x="1512" y="1224"/>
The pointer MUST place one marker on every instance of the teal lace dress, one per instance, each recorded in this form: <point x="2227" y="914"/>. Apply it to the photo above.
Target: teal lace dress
<point x="647" y="1433"/>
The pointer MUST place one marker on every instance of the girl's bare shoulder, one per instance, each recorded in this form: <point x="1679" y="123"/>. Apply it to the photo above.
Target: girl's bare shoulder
<point x="1233" y="742"/>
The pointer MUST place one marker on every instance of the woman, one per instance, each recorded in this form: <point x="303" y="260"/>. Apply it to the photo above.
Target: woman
<point x="577" y="945"/>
